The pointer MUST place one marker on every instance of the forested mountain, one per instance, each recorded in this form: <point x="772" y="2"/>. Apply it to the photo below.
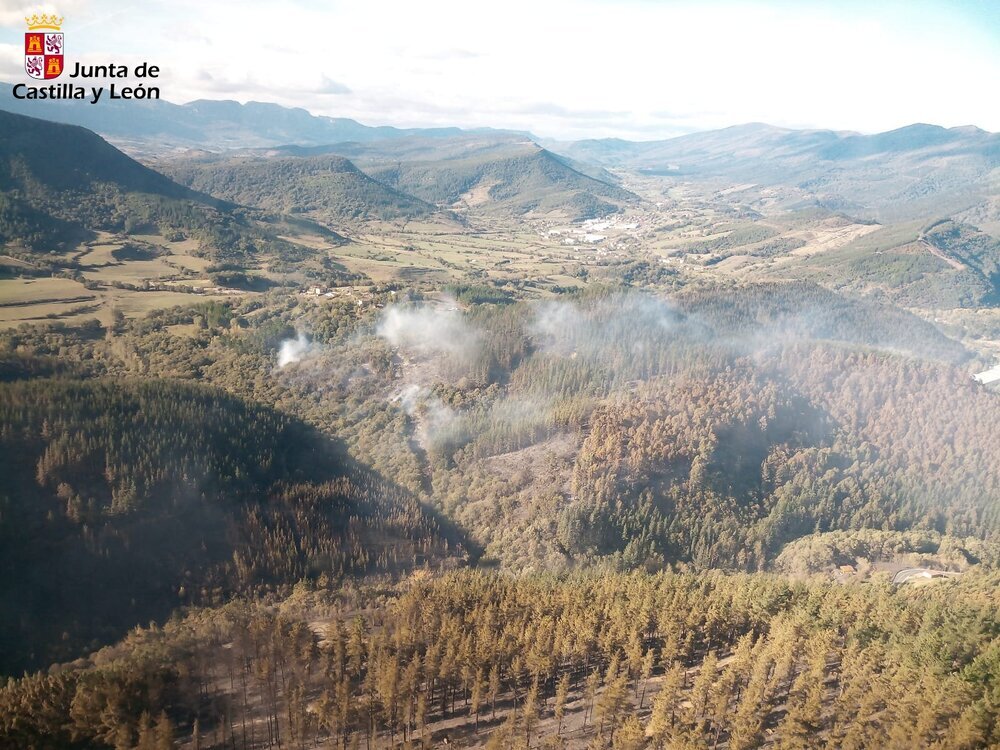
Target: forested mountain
<point x="758" y="315"/>
<point x="735" y="483"/>
<point x="679" y="437"/>
<point x="58" y="183"/>
<point x="733" y="427"/>
<point x="42" y="158"/>
<point x="708" y="429"/>
<point x="511" y="177"/>
<point x="553" y="465"/>
<point x="123" y="500"/>
<point x="490" y="173"/>
<point x="329" y="188"/>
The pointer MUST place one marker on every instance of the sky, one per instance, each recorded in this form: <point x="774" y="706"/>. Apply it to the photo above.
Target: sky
<point x="638" y="69"/>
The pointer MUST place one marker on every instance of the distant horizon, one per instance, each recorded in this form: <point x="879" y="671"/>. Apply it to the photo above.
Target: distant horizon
<point x="535" y="135"/>
<point x="542" y="136"/>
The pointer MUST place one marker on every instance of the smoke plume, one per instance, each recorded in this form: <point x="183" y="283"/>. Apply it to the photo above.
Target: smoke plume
<point x="294" y="350"/>
<point x="429" y="331"/>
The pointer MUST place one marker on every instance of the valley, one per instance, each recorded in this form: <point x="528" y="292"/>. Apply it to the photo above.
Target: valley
<point x="322" y="435"/>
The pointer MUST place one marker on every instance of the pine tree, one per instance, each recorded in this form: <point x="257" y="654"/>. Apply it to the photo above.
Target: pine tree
<point x="562" y="693"/>
<point x="630" y="736"/>
<point x="163" y="733"/>
<point x="663" y="715"/>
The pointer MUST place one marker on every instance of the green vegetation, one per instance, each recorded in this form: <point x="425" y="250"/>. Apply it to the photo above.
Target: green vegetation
<point x="738" y="237"/>
<point x="710" y="431"/>
<point x="58" y="183"/>
<point x="479" y="294"/>
<point x="519" y="179"/>
<point x="328" y="188"/>
<point x="945" y="265"/>
<point x="822" y="552"/>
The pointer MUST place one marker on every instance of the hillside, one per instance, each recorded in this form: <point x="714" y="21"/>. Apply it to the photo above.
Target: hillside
<point x="709" y="152"/>
<point x="123" y="500"/>
<point x="39" y="158"/>
<point x="328" y="188"/>
<point x="915" y="171"/>
<point x="942" y="265"/>
<point x="627" y="461"/>
<point x="61" y="183"/>
<point x="611" y="660"/>
<point x="540" y="376"/>
<point x="710" y="427"/>
<point x="507" y="176"/>
<point x="58" y="181"/>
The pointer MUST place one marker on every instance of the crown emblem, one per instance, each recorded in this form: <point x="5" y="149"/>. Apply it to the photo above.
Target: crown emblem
<point x="44" y="21"/>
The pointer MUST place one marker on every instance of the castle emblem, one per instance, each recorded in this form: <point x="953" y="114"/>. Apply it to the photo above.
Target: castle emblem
<point x="43" y="46"/>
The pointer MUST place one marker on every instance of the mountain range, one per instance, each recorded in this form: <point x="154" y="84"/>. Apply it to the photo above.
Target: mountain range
<point x="914" y="171"/>
<point x="896" y="175"/>
<point x="209" y="124"/>
<point x="501" y="174"/>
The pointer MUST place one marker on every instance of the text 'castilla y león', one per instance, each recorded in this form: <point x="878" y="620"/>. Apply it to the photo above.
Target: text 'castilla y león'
<point x="94" y="94"/>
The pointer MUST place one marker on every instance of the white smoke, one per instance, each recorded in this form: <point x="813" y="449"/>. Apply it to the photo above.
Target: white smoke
<point x="436" y="421"/>
<point x="592" y="330"/>
<point x="294" y="350"/>
<point x="409" y="398"/>
<point x="555" y="327"/>
<point x="429" y="331"/>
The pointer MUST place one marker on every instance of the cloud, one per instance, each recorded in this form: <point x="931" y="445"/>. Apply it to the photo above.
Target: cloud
<point x="223" y="86"/>
<point x="579" y="68"/>
<point x="13" y="12"/>
<point x="248" y="85"/>
<point x="548" y="108"/>
<point x="448" y="54"/>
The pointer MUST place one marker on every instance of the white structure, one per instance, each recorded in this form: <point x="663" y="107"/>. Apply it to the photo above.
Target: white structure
<point x="988" y="376"/>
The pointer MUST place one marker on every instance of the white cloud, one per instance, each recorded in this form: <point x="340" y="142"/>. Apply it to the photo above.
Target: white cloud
<point x="565" y="68"/>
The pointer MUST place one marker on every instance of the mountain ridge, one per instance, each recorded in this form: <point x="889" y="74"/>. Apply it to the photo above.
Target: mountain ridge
<point x="328" y="186"/>
<point x="149" y="117"/>
<point x="216" y="124"/>
<point x="60" y="183"/>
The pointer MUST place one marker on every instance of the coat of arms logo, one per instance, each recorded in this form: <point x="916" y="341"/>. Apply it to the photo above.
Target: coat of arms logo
<point x="43" y="46"/>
